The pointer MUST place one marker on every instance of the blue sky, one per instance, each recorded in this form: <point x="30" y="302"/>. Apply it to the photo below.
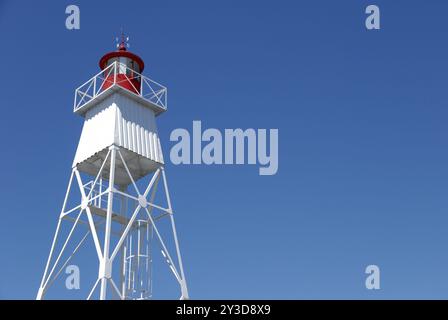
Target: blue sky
<point x="361" y="115"/>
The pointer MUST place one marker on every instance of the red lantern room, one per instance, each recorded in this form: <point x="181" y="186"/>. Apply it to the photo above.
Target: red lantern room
<point x="129" y="66"/>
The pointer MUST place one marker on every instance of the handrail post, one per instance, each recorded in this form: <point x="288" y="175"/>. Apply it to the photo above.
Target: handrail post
<point x="76" y="98"/>
<point x="141" y="85"/>
<point x="115" y="72"/>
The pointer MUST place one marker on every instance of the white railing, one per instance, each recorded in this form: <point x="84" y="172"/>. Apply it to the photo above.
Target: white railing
<point x="99" y="196"/>
<point x="98" y="193"/>
<point x="148" y="89"/>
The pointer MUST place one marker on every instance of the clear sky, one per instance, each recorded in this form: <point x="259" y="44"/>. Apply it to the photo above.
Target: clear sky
<point x="363" y="158"/>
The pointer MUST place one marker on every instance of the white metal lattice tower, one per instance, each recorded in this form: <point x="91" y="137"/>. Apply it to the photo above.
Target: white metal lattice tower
<point x="119" y="147"/>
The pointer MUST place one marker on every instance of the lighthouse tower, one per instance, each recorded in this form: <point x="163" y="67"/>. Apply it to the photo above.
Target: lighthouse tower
<point x="117" y="177"/>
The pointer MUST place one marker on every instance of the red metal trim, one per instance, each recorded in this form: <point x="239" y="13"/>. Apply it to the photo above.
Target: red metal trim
<point x="121" y="53"/>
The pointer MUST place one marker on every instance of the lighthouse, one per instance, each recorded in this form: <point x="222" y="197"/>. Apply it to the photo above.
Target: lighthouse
<point x="116" y="181"/>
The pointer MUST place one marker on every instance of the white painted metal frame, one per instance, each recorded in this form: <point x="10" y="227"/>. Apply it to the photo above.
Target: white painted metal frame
<point x="105" y="257"/>
<point x="149" y="90"/>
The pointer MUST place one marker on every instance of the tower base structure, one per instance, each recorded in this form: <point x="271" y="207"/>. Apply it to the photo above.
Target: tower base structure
<point x="122" y="218"/>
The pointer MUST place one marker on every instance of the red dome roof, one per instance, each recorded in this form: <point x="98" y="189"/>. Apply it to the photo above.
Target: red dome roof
<point x="121" y="52"/>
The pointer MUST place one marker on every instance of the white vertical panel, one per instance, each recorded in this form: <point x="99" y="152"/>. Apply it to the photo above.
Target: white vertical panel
<point x="156" y="150"/>
<point x="134" y="140"/>
<point x="124" y="133"/>
<point x="98" y="130"/>
<point x="138" y="139"/>
<point x="118" y="124"/>
<point x="151" y="146"/>
<point x="119" y="119"/>
<point x="131" y="136"/>
<point x="143" y="138"/>
<point x="148" y="144"/>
